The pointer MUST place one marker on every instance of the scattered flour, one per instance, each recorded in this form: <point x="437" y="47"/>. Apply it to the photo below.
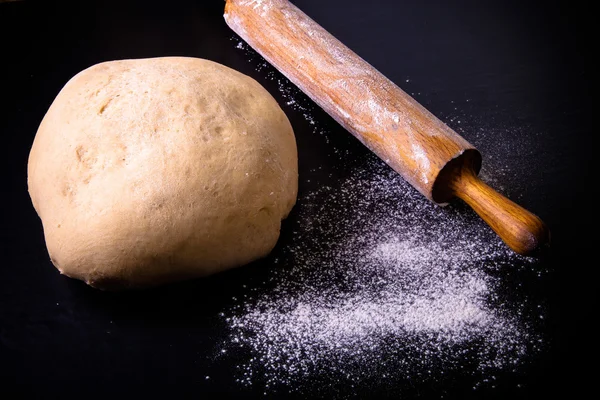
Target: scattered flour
<point x="379" y="285"/>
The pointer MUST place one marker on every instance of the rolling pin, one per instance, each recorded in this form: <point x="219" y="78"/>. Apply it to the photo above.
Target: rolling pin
<point x="433" y="158"/>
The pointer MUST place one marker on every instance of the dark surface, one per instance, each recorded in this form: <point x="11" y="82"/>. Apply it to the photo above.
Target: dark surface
<point x="507" y="63"/>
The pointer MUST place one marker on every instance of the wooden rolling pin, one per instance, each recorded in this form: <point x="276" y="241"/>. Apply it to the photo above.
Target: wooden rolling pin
<point x="426" y="152"/>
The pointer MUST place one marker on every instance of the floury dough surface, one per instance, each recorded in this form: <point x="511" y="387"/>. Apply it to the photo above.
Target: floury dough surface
<point x="150" y="171"/>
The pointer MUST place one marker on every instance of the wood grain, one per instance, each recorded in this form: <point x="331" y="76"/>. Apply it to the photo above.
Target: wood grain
<point x="392" y="124"/>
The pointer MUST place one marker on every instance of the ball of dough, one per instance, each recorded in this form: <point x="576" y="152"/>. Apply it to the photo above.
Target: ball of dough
<point x="150" y="171"/>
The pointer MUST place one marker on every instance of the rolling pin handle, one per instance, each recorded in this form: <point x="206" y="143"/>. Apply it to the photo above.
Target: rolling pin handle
<point x="521" y="230"/>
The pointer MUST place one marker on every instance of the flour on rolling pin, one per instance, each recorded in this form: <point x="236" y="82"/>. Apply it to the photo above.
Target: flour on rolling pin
<point x="361" y="98"/>
<point x="433" y="158"/>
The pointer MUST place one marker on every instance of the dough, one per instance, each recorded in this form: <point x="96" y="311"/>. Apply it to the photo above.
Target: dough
<point x="150" y="171"/>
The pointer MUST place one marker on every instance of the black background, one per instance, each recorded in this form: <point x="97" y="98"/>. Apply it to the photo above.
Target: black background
<point x="518" y="63"/>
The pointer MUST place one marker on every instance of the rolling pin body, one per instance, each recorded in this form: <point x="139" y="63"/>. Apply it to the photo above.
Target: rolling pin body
<point x="422" y="149"/>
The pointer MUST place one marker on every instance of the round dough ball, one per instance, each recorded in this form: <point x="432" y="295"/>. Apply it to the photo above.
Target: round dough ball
<point x="155" y="170"/>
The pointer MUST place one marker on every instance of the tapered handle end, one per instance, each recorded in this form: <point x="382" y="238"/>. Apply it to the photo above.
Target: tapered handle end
<point x="521" y="230"/>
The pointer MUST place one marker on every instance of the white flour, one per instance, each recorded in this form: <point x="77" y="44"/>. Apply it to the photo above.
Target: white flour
<point x="380" y="287"/>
